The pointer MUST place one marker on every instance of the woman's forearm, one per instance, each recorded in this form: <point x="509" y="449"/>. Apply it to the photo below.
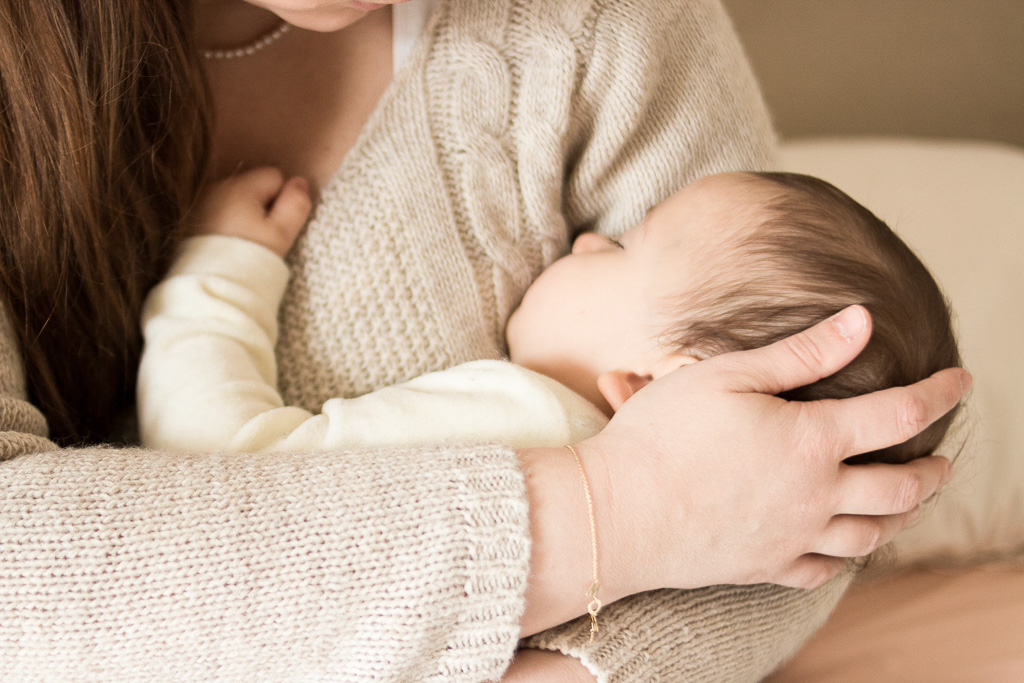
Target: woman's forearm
<point x="124" y="565"/>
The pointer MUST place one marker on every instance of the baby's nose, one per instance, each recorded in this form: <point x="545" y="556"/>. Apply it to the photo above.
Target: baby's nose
<point x="588" y="241"/>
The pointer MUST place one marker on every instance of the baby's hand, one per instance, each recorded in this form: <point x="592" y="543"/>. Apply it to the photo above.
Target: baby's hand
<point x="257" y="205"/>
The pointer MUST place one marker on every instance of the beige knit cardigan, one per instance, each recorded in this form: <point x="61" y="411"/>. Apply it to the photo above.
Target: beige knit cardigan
<point x="515" y="124"/>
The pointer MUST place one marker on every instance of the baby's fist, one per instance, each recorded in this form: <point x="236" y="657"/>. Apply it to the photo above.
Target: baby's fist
<point x="257" y="205"/>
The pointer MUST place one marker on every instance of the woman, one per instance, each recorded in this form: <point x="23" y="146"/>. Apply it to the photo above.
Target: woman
<point x="444" y="188"/>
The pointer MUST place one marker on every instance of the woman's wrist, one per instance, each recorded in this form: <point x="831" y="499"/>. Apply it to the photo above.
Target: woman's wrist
<point x="561" y="551"/>
<point x="625" y="529"/>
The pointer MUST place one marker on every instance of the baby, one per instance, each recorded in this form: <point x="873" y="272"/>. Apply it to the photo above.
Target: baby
<point x="730" y="262"/>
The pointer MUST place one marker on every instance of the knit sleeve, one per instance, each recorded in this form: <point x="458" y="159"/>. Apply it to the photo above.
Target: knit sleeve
<point x="667" y="96"/>
<point x="133" y="565"/>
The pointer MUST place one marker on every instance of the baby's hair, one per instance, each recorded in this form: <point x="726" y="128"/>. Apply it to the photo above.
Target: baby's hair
<point x="811" y="251"/>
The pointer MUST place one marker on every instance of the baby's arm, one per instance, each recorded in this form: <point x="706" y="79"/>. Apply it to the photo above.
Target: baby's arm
<point x="211" y="325"/>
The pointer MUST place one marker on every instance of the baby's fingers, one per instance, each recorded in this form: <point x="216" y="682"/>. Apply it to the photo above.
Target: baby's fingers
<point x="260" y="184"/>
<point x="291" y="206"/>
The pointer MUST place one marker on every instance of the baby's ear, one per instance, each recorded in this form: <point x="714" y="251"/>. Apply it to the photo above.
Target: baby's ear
<point x="618" y="385"/>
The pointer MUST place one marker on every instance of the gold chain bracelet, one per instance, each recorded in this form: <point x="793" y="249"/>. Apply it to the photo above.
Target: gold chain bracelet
<point x="595" y="604"/>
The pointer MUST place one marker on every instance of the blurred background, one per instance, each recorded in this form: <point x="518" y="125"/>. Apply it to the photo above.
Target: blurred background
<point x="935" y="68"/>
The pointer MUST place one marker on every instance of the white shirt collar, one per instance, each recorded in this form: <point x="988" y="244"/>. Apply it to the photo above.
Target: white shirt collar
<point x="407" y="22"/>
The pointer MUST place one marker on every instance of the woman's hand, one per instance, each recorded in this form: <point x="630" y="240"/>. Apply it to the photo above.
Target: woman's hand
<point x="705" y="477"/>
<point x="257" y="205"/>
<point x="546" y="666"/>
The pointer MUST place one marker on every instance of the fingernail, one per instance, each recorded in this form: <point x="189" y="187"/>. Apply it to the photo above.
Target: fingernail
<point x="966" y="382"/>
<point x="948" y="476"/>
<point x="850" y="322"/>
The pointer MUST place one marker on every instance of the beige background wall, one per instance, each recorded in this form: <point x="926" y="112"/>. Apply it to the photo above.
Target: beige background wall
<point x="946" y="68"/>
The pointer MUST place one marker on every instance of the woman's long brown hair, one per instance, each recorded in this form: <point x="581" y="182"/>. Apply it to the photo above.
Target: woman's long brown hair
<point x="104" y="136"/>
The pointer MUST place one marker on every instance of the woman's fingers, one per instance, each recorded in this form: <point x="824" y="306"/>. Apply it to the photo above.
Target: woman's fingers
<point x="803" y="358"/>
<point x="856" y="425"/>
<point x="885" y="418"/>
<point x="858" y="535"/>
<point x="880" y="489"/>
<point x="810" y="571"/>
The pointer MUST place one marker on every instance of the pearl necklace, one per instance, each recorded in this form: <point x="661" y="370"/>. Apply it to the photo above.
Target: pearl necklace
<point x="251" y="48"/>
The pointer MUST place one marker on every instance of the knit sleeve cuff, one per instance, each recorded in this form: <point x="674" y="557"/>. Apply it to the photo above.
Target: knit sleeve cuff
<point x="721" y="633"/>
<point x="495" y="554"/>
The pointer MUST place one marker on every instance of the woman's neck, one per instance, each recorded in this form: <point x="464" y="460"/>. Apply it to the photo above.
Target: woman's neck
<point x="226" y="24"/>
<point x="300" y="103"/>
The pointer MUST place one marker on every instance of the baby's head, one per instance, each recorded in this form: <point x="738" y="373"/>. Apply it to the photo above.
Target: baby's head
<point x="731" y="262"/>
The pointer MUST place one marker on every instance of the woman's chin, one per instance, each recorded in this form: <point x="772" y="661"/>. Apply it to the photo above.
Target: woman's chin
<point x="325" y="21"/>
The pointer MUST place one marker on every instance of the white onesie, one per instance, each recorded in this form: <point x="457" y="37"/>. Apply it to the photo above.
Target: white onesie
<point x="210" y="330"/>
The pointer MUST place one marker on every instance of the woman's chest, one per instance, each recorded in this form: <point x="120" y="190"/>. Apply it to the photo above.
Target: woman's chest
<point x="444" y="207"/>
<point x="300" y="104"/>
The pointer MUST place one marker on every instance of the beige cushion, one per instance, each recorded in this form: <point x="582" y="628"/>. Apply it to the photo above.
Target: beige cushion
<point x="960" y="206"/>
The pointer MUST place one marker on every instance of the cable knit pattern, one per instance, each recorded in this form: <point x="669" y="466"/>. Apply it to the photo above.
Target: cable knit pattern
<point x="513" y="125"/>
